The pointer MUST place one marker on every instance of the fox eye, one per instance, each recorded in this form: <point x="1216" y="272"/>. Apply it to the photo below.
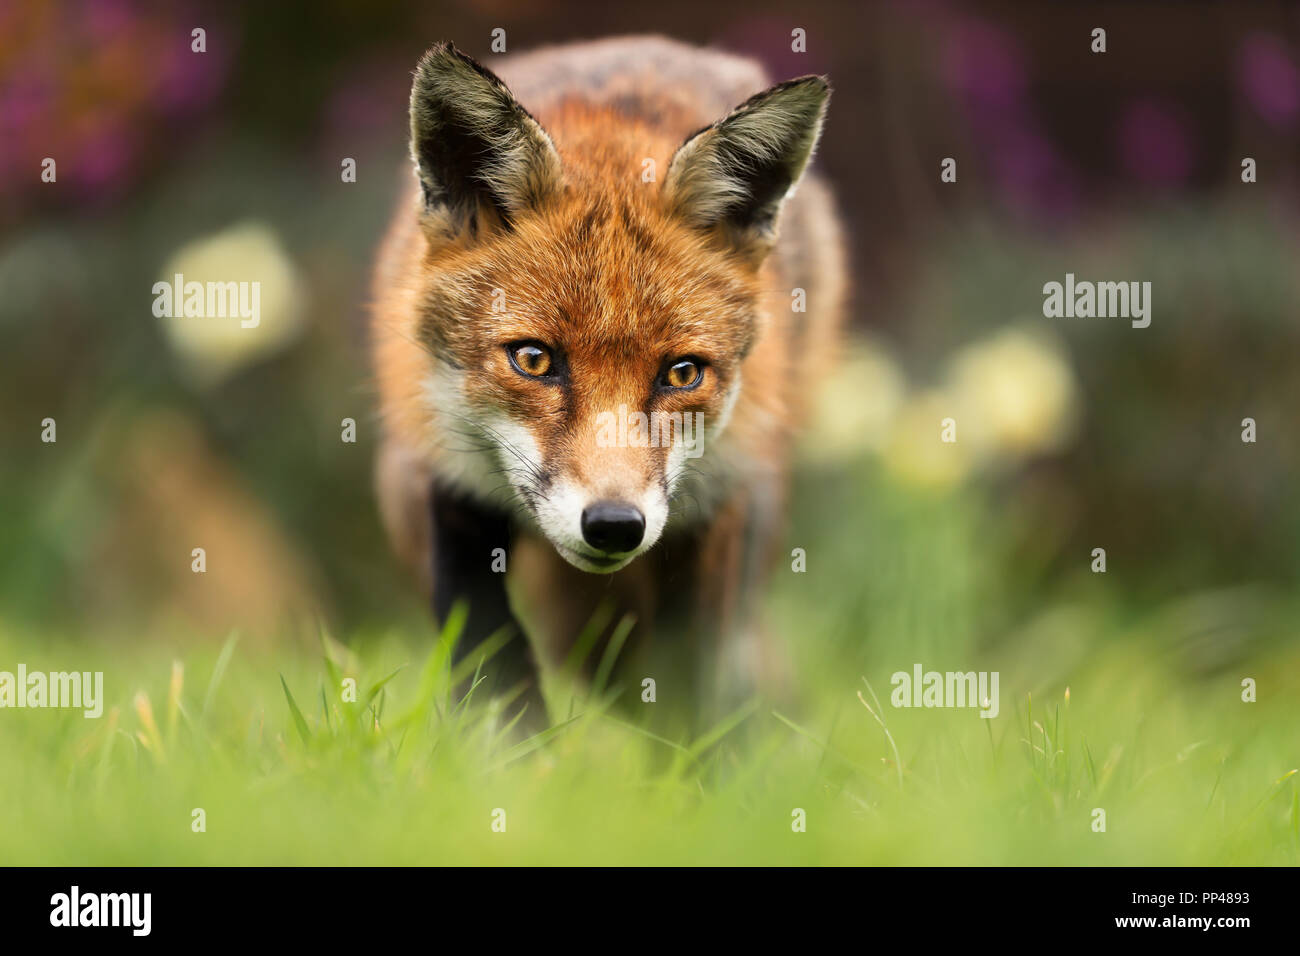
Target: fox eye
<point x="531" y="358"/>
<point x="683" y="374"/>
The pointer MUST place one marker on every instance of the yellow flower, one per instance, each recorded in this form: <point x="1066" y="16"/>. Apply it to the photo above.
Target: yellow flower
<point x="855" y="407"/>
<point x="917" y="453"/>
<point x="239" y="301"/>
<point x="1016" y="395"/>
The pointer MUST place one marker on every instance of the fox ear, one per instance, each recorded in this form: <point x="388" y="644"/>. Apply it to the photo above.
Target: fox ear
<point x="478" y="153"/>
<point x="736" y="173"/>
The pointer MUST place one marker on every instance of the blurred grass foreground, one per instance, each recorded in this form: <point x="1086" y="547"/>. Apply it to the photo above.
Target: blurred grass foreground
<point x="240" y="758"/>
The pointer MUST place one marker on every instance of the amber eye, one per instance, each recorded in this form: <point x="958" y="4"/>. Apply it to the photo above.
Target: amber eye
<point x="683" y="374"/>
<point x="530" y="358"/>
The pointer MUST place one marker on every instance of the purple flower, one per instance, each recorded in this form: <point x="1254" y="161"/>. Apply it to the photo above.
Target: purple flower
<point x="1154" y="144"/>
<point x="983" y="66"/>
<point x="188" y="80"/>
<point x="25" y="99"/>
<point x="104" y="20"/>
<point x="1032" y="174"/>
<point x="103" y="159"/>
<point x="1268" y="79"/>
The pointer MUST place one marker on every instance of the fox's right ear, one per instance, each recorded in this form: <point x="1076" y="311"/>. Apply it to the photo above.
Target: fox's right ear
<point x="479" y="155"/>
<point x="734" y="175"/>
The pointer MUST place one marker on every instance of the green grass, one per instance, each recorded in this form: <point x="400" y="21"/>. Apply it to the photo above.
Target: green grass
<point x="288" y="773"/>
<point x="257" y="733"/>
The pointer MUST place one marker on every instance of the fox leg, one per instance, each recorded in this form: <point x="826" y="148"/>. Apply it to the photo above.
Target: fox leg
<point x="465" y="537"/>
<point x="736" y="554"/>
<point x="567" y="602"/>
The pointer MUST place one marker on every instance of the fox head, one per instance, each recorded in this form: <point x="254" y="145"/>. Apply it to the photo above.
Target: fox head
<point x="587" y="323"/>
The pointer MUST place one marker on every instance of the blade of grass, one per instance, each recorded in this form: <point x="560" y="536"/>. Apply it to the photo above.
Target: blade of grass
<point x="299" y="721"/>
<point x="376" y="687"/>
<point x="826" y="748"/>
<point x="612" y="649"/>
<point x="587" y="638"/>
<point x="219" y="671"/>
<point x="174" y="690"/>
<point x="723" y="727"/>
<point x="898" y="761"/>
<point x="525" y="747"/>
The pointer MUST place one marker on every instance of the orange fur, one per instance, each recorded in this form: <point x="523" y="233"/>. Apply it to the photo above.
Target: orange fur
<point x="605" y="267"/>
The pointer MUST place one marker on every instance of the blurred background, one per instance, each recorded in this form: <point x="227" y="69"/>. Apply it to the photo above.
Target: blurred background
<point x="1072" y="434"/>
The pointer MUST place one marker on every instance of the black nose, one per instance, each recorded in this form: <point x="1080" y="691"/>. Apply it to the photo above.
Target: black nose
<point x="612" y="527"/>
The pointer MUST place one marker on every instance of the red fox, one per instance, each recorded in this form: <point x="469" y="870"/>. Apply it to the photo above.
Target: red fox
<point x="590" y="244"/>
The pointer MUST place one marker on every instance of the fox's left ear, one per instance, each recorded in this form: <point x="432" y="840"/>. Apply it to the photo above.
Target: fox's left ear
<point x="735" y="174"/>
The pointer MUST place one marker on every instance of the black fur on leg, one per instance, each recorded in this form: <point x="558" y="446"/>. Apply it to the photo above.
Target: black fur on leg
<point x="465" y="536"/>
